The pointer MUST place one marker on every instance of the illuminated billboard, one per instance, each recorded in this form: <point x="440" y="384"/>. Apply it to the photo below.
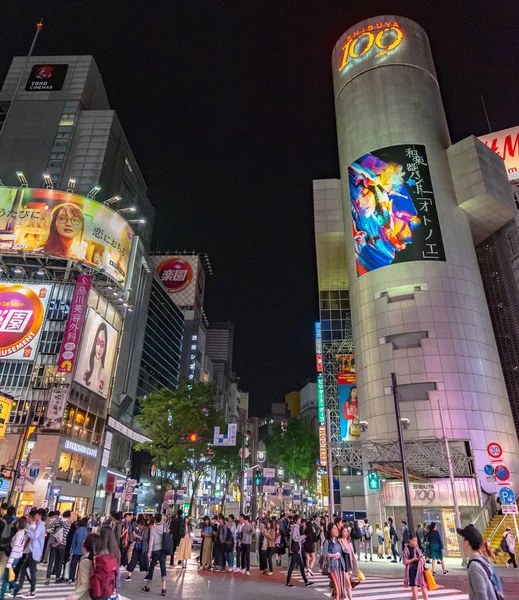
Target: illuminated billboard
<point x="55" y="223"/>
<point x="393" y="208"/>
<point x="97" y="354"/>
<point x="348" y="400"/>
<point x="506" y="144"/>
<point x="183" y="277"/>
<point x="22" y="311"/>
<point x="46" y="78"/>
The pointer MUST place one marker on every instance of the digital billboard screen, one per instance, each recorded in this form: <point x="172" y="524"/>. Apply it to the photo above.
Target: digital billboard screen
<point x="46" y="78"/>
<point x="348" y="399"/>
<point x="22" y="311"/>
<point x="183" y="277"/>
<point x="506" y="144"/>
<point x="394" y="217"/>
<point x="55" y="223"/>
<point x="97" y="354"/>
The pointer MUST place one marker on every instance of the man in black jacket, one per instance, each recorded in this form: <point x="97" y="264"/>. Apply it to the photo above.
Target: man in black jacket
<point x="177" y="530"/>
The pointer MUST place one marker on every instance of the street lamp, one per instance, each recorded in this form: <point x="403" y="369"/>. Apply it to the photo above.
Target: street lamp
<point x="281" y="472"/>
<point x="262" y="453"/>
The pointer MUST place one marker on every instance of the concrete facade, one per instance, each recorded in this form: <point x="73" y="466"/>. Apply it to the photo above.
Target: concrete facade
<point x="394" y="99"/>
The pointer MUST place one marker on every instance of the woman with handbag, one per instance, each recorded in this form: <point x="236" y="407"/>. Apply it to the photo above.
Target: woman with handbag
<point x="333" y="561"/>
<point x="414" y="562"/>
<point x="350" y="561"/>
<point x="280" y="545"/>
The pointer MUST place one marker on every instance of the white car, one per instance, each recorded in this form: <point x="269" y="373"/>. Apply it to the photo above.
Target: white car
<point x="196" y="534"/>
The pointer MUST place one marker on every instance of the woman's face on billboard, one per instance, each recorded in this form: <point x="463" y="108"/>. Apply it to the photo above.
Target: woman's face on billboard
<point x="68" y="225"/>
<point x="100" y="344"/>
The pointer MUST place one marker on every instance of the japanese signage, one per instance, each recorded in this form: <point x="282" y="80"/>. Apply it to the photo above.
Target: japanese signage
<point x="192" y="357"/>
<point x="183" y="277"/>
<point x="22" y="310"/>
<point x="323" y="459"/>
<point x="97" y="354"/>
<point x="79" y="448"/>
<point x="321" y="409"/>
<point x="5" y="413"/>
<point x="373" y="41"/>
<point x="393" y="208"/>
<point x="348" y="401"/>
<point x="56" y="408"/>
<point x="51" y="222"/>
<point x="69" y="348"/>
<point x="46" y="78"/>
<point x="225" y="439"/>
<point x="506" y="144"/>
<point x="269" y="481"/>
<point x="438" y="493"/>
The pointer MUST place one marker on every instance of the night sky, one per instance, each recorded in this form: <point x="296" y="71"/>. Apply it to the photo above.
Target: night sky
<point x="228" y="107"/>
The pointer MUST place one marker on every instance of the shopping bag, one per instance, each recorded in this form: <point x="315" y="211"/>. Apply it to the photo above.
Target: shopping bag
<point x="361" y="576"/>
<point x="429" y="580"/>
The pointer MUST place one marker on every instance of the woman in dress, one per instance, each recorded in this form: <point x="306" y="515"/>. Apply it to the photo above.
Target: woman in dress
<point x="414" y="562"/>
<point x="280" y="545"/>
<point x="333" y="550"/>
<point x="207" y="543"/>
<point x="380" y="537"/>
<point x="309" y="547"/>
<point x="186" y="545"/>
<point x="349" y="559"/>
<point x="436" y="547"/>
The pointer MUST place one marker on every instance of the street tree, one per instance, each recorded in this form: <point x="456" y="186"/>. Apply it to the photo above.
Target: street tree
<point x="294" y="446"/>
<point x="227" y="462"/>
<point x="169" y="418"/>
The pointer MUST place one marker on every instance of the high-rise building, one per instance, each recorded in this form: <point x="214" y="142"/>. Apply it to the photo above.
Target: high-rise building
<point x="75" y="284"/>
<point x="414" y="205"/>
<point x="293" y="403"/>
<point x="219" y="348"/>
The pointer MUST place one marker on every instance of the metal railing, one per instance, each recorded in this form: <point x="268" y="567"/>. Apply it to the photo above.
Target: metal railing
<point x="484" y="517"/>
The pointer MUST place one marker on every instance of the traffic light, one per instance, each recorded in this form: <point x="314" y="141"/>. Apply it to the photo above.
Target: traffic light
<point x="373" y="482"/>
<point x="193" y="438"/>
<point x="189" y="438"/>
<point x="257" y="478"/>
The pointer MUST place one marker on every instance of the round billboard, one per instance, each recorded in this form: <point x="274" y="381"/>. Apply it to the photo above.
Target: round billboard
<point x="175" y="273"/>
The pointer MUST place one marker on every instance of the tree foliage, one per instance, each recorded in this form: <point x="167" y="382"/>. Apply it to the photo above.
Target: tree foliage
<point x="168" y="416"/>
<point x="227" y="462"/>
<point x="295" y="447"/>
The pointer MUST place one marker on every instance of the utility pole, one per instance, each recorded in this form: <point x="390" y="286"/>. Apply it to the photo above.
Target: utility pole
<point x="405" y="478"/>
<point x="243" y="423"/>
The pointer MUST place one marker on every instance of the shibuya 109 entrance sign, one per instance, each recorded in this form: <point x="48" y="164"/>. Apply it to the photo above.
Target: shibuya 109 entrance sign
<point x="373" y="40"/>
<point x="53" y="223"/>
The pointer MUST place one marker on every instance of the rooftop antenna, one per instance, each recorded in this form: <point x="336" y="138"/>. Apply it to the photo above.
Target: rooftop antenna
<point x="39" y="27"/>
<point x="486" y="114"/>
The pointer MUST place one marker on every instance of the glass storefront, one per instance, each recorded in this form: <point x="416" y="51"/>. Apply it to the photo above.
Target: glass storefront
<point x="72" y="503"/>
<point x="76" y="468"/>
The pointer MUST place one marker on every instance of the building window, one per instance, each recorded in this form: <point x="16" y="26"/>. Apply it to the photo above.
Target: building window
<point x="127" y="163"/>
<point x="76" y="468"/>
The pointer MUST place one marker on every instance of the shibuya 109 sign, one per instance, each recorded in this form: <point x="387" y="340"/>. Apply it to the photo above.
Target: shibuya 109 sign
<point x="374" y="40"/>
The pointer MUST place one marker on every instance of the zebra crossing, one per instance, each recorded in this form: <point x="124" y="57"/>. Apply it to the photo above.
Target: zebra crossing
<point x="379" y="588"/>
<point x="53" y="591"/>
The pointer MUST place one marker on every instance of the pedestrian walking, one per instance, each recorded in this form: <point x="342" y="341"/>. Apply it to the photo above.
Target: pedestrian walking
<point x="380" y="538"/>
<point x="508" y="545"/>
<point x="421" y="535"/>
<point x="245" y="544"/>
<point x="356" y="537"/>
<point x="126" y="539"/>
<point x="333" y="555"/>
<point x="367" y="536"/>
<point x="414" y="562"/>
<point x="295" y="550"/>
<point x="186" y="544"/>
<point x="436" y="548"/>
<point x="177" y="532"/>
<point x="280" y="545"/>
<point x="156" y="553"/>
<point x="311" y="538"/>
<point x="484" y="583"/>
<point x="350" y="562"/>
<point x="269" y="542"/>
<point x="82" y="589"/>
<point x="393" y="539"/>
<point x="405" y="537"/>
<point x="387" y="540"/>
<point x="80" y="536"/>
<point x="140" y="549"/>
<point x="17" y="548"/>
<point x="36" y="536"/>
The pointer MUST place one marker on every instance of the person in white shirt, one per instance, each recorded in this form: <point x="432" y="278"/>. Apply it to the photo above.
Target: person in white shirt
<point x="17" y="548"/>
<point x="37" y="538"/>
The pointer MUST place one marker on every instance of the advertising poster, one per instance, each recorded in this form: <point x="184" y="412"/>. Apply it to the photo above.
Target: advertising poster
<point x="46" y="78"/>
<point x="51" y="222"/>
<point x="183" y="277"/>
<point x="22" y="310"/>
<point x="347" y="393"/>
<point x="5" y="413"/>
<point x="269" y="481"/>
<point x="120" y="486"/>
<point x="506" y="144"/>
<point x="56" y="409"/>
<point x="393" y="208"/>
<point x="97" y="354"/>
<point x="69" y="347"/>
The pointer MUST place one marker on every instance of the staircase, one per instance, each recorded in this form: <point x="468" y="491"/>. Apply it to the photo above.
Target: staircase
<point x="498" y="529"/>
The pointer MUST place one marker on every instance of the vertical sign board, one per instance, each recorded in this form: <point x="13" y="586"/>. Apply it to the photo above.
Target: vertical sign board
<point x="321" y="410"/>
<point x="5" y="413"/>
<point x="69" y="348"/>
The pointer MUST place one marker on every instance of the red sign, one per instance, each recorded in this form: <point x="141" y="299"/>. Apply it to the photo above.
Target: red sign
<point x="319" y="362"/>
<point x="175" y="273"/>
<point x="494" y="450"/>
<point x="110" y="483"/>
<point x="76" y="316"/>
<point x="502" y="473"/>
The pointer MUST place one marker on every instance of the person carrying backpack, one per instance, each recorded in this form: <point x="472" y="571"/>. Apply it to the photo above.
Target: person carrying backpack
<point x="484" y="582"/>
<point x="367" y="536"/>
<point x="104" y="572"/>
<point x="356" y="537"/>
<point x="157" y="552"/>
<point x="82" y="590"/>
<point x="7" y="531"/>
<point x="17" y="547"/>
<point x="508" y="545"/>
<point x="56" y="543"/>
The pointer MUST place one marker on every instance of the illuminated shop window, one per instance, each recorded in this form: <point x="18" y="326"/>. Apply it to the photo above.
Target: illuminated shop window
<point x="76" y="468"/>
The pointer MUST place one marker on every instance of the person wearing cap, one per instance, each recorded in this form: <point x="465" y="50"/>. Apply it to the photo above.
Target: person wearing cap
<point x="479" y="569"/>
<point x="510" y="543"/>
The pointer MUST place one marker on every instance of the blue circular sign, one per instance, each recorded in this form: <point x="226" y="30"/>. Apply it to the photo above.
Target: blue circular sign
<point x="507" y="495"/>
<point x="489" y="470"/>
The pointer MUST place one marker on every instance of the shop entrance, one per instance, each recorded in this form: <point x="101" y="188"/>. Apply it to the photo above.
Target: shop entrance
<point x="446" y="522"/>
<point x="63" y="506"/>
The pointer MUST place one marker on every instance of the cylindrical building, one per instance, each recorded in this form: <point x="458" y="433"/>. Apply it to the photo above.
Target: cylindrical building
<point x="418" y="305"/>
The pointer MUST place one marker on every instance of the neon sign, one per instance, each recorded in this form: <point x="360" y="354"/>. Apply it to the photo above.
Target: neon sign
<point x="384" y="36"/>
